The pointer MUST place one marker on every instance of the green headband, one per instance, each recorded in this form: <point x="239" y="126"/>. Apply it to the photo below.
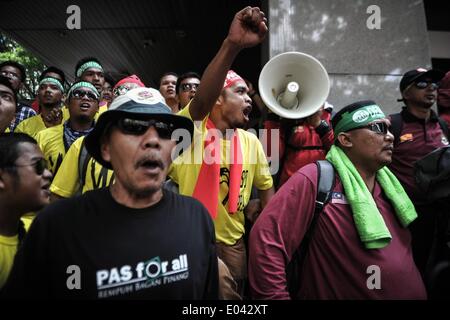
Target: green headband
<point x="85" y="85"/>
<point x="53" y="81"/>
<point x="358" y="118"/>
<point x="87" y="65"/>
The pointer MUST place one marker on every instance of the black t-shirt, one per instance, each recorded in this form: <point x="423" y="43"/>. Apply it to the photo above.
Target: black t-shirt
<point x="166" y="251"/>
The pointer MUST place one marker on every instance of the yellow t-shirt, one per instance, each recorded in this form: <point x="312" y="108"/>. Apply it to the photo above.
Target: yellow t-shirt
<point x="8" y="249"/>
<point x="51" y="142"/>
<point x="27" y="220"/>
<point x="31" y="126"/>
<point x="66" y="182"/>
<point x="255" y="172"/>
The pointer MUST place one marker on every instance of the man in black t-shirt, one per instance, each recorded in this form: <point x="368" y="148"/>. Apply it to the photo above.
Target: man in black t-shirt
<point x="134" y="240"/>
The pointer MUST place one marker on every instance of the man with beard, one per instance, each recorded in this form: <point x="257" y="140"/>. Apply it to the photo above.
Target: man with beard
<point x="50" y="93"/>
<point x="133" y="240"/>
<point x="83" y="99"/>
<point x="226" y="152"/>
<point x="79" y="172"/>
<point x="417" y="132"/>
<point x="361" y="228"/>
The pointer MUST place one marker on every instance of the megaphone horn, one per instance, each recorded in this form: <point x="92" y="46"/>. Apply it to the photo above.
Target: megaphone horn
<point x="294" y="85"/>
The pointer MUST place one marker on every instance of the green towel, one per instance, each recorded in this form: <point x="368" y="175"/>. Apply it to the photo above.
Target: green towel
<point x="369" y="223"/>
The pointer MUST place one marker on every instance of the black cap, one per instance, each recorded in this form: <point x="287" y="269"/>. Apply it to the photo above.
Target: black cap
<point x="416" y="74"/>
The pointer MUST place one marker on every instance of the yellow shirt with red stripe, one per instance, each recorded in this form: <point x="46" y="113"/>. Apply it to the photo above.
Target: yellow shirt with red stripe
<point x="66" y="183"/>
<point x="8" y="249"/>
<point x="255" y="172"/>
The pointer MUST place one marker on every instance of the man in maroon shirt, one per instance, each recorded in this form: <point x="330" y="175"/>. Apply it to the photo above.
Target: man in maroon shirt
<point x="420" y="134"/>
<point x="341" y="262"/>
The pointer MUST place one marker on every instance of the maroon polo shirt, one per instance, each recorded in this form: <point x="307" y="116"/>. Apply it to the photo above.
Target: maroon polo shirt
<point x="338" y="266"/>
<point x="417" y="139"/>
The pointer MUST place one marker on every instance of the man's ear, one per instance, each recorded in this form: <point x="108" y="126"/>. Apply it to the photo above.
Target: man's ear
<point x="220" y="100"/>
<point x="345" y="139"/>
<point x="2" y="179"/>
<point x="104" y="148"/>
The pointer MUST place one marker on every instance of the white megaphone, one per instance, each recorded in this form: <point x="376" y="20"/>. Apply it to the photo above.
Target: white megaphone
<point x="294" y="85"/>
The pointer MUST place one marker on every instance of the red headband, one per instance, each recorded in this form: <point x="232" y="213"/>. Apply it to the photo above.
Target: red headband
<point x="232" y="77"/>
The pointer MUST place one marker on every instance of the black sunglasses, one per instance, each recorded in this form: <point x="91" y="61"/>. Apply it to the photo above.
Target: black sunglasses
<point x="39" y="166"/>
<point x="377" y="127"/>
<point x="80" y="94"/>
<point x="139" y="127"/>
<point x="425" y="84"/>
<point x="189" y="86"/>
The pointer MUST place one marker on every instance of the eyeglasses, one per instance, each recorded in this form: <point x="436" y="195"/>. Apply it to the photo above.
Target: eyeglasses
<point x="10" y="74"/>
<point x="39" y="166"/>
<point x="189" y="86"/>
<point x="79" y="94"/>
<point x="139" y="127"/>
<point x="377" y="127"/>
<point x="425" y="84"/>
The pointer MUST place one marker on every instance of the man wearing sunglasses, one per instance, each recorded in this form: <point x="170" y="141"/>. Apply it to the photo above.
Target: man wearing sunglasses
<point x="24" y="187"/>
<point x="418" y="131"/>
<point x="79" y="172"/>
<point x="186" y="88"/>
<point x="362" y="226"/>
<point x="221" y="107"/>
<point x="133" y="239"/>
<point x="83" y="99"/>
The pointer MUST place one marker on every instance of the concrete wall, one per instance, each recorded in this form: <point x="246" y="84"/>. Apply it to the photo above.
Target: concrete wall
<point x="362" y="63"/>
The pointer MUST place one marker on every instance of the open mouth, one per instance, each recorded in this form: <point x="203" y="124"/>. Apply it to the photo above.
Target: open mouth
<point x="85" y="106"/>
<point x="246" y="112"/>
<point x="151" y="166"/>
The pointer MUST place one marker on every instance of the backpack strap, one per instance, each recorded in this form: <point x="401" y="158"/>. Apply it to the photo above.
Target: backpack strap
<point x="396" y="126"/>
<point x="83" y="160"/>
<point x="444" y="127"/>
<point x="325" y="184"/>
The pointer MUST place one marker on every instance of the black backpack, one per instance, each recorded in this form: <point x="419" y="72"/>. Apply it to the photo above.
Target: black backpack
<point x="325" y="185"/>
<point x="432" y="174"/>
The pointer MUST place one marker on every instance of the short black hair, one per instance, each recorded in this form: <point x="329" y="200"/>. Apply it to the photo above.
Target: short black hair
<point x="53" y="70"/>
<point x="110" y="80"/>
<point x="9" y="150"/>
<point x="21" y="68"/>
<point x="167" y="74"/>
<point x="5" y="81"/>
<point x="190" y="74"/>
<point x="83" y="61"/>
